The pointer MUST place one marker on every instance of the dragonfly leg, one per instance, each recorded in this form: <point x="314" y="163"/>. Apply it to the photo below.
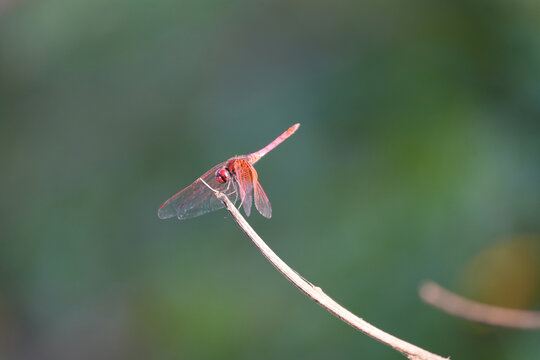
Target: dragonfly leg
<point x="241" y="202"/>
<point x="232" y="192"/>
<point x="227" y="189"/>
<point x="235" y="191"/>
<point x="228" y="186"/>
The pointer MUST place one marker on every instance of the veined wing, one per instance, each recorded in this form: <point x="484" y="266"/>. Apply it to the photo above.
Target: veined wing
<point x="261" y="201"/>
<point x="245" y="175"/>
<point x="197" y="198"/>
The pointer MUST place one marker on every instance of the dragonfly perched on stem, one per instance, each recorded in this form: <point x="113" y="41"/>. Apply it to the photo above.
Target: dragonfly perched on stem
<point x="236" y="177"/>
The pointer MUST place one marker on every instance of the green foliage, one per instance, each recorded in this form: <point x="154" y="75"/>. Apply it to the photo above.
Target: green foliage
<point x="418" y="149"/>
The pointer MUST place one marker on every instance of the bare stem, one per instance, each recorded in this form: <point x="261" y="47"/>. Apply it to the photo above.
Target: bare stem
<point x="316" y="294"/>
<point x="456" y="305"/>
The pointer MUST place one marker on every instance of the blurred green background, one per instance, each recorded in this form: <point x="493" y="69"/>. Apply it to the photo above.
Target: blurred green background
<point x="418" y="157"/>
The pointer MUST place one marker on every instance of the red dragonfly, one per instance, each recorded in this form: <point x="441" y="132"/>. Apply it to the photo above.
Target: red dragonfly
<point x="235" y="177"/>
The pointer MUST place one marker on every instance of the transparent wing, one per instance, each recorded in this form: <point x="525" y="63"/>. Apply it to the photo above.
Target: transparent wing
<point x="197" y="198"/>
<point x="261" y="201"/>
<point x="244" y="174"/>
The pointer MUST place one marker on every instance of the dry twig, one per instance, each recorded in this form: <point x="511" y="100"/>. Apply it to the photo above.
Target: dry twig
<point x="453" y="304"/>
<point x="317" y="294"/>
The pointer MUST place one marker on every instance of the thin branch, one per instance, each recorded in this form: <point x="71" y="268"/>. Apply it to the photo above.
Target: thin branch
<point x="316" y="294"/>
<point x="453" y="304"/>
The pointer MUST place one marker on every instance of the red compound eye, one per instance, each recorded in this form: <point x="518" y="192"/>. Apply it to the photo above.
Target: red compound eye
<point x="222" y="176"/>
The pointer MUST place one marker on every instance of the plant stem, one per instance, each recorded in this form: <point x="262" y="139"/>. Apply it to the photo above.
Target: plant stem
<point x="456" y="305"/>
<point x="315" y="293"/>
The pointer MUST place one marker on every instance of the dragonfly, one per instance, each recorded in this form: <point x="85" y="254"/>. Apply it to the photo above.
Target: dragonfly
<point x="236" y="178"/>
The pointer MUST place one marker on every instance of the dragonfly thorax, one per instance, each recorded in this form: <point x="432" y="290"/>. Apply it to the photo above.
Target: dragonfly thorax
<point x="223" y="175"/>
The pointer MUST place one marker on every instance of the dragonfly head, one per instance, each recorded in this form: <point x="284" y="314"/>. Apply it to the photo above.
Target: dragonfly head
<point x="223" y="175"/>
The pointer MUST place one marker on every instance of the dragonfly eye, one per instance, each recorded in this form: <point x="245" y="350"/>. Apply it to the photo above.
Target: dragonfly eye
<point x="222" y="176"/>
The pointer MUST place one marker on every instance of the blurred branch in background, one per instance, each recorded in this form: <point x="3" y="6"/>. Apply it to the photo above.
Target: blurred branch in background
<point x="412" y="352"/>
<point x="453" y="304"/>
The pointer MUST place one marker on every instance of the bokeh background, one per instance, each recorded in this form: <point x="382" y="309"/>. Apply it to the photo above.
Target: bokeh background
<point x="418" y="158"/>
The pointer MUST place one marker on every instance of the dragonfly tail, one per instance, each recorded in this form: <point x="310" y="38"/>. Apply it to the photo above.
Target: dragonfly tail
<point x="256" y="156"/>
